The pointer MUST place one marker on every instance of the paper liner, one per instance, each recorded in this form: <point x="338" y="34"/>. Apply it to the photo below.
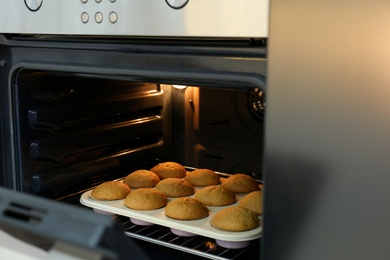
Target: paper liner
<point x="92" y="198"/>
<point x="230" y="231"/>
<point x="143" y="209"/>
<point x="194" y="219"/>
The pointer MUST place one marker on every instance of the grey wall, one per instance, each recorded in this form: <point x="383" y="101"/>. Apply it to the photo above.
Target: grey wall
<point x="327" y="137"/>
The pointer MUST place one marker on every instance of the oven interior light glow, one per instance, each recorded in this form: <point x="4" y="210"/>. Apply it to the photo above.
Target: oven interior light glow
<point x="179" y="86"/>
<point x="210" y="245"/>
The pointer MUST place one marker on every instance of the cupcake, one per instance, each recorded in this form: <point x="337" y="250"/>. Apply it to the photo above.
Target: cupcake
<point x="202" y="177"/>
<point x="110" y="190"/>
<point x="253" y="201"/>
<point x="169" y="170"/>
<point x="174" y="187"/>
<point x="215" y="196"/>
<point x="145" y="199"/>
<point x="186" y="209"/>
<point x="241" y="183"/>
<point x="141" y="179"/>
<point x="235" y="219"/>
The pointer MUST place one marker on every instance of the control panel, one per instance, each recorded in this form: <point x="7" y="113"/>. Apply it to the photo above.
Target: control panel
<point x="179" y="18"/>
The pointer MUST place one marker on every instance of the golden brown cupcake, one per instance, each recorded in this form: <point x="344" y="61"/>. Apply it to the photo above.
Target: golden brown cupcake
<point x="235" y="218"/>
<point x="146" y="199"/>
<point x="202" y="177"/>
<point x="186" y="209"/>
<point x="169" y="170"/>
<point x="241" y="183"/>
<point x="174" y="187"/>
<point x="253" y="201"/>
<point x="215" y="196"/>
<point x="110" y="190"/>
<point x="141" y="179"/>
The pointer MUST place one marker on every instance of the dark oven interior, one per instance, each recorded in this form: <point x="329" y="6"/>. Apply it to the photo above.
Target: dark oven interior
<point x="78" y="113"/>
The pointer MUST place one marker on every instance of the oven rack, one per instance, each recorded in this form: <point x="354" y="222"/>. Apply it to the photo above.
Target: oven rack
<point x="196" y="245"/>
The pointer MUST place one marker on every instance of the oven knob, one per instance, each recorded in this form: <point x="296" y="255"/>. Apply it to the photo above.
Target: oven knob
<point x="33" y="5"/>
<point x="176" y="4"/>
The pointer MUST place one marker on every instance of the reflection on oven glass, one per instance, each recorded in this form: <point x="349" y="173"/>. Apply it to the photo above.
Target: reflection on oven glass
<point x="210" y="244"/>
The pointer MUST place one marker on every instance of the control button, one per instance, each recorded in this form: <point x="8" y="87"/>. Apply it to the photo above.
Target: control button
<point x="98" y="1"/>
<point x="84" y="17"/>
<point x="33" y="5"/>
<point x="176" y="4"/>
<point x="112" y="1"/>
<point x="84" y="1"/>
<point x="113" y="17"/>
<point x="98" y="17"/>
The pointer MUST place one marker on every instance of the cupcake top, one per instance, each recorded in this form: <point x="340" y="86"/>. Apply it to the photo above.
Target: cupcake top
<point x="169" y="170"/>
<point x="146" y="199"/>
<point x="174" y="187"/>
<point x="215" y="196"/>
<point x="253" y="201"/>
<point x="235" y="219"/>
<point x="110" y="190"/>
<point x="240" y="183"/>
<point x="202" y="177"/>
<point x="141" y="179"/>
<point x="186" y="209"/>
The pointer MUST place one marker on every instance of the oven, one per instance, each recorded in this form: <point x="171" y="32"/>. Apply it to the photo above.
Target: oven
<point x="93" y="90"/>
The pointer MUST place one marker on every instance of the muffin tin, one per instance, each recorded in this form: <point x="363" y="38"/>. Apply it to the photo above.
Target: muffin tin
<point x="198" y="227"/>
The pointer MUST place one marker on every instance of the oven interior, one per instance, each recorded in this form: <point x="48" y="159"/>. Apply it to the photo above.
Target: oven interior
<point x="74" y="129"/>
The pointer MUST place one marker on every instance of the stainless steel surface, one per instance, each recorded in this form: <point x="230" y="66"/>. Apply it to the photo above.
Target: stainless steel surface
<point x="33" y="5"/>
<point x="177" y="4"/>
<point x="197" y="18"/>
<point x="328" y="131"/>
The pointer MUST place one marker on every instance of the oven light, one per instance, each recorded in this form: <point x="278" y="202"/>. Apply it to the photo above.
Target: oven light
<point x="179" y="86"/>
